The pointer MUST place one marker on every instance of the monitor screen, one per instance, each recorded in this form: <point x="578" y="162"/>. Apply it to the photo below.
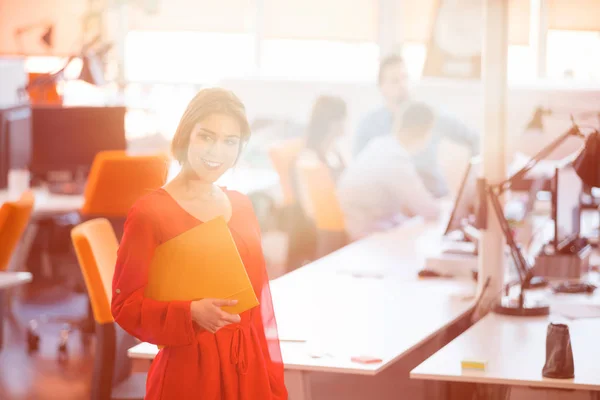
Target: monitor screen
<point x="566" y="205"/>
<point x="465" y="205"/>
<point x="68" y="138"/>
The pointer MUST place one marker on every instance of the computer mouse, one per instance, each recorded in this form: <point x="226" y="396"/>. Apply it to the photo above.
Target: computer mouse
<point x="574" y="287"/>
<point x="428" y="273"/>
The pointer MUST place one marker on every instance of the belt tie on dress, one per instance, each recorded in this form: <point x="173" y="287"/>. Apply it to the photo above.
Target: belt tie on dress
<point x="239" y="353"/>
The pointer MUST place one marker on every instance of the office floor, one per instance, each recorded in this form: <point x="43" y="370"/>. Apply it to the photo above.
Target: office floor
<point x="40" y="376"/>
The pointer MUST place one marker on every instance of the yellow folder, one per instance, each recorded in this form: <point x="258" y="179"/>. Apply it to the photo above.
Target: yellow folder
<point x="201" y="263"/>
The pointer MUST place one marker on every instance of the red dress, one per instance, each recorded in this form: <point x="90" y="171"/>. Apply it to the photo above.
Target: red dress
<point x="241" y="361"/>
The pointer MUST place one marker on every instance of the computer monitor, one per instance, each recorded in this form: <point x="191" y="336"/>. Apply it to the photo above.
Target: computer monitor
<point x="66" y="139"/>
<point x="465" y="205"/>
<point x="567" y="188"/>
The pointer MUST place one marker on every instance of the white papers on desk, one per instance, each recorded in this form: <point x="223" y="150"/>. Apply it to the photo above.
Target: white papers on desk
<point x="576" y="311"/>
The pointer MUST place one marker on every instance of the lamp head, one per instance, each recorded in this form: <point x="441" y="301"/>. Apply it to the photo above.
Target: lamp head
<point x="537" y="120"/>
<point x="48" y="36"/>
<point x="587" y="163"/>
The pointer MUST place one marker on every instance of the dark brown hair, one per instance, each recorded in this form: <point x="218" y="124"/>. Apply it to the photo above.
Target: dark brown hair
<point x="388" y="62"/>
<point x="206" y="102"/>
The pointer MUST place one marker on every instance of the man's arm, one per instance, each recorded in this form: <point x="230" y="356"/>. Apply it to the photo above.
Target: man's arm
<point x="409" y="191"/>
<point x="375" y="124"/>
<point x="457" y="131"/>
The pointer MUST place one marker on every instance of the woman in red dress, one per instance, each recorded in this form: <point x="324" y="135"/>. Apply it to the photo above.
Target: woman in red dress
<point x="208" y="354"/>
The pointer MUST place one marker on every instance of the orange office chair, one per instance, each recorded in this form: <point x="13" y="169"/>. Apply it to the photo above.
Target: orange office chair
<point x="289" y="216"/>
<point x="322" y="205"/>
<point x="14" y="218"/>
<point x="96" y="247"/>
<point x="117" y="180"/>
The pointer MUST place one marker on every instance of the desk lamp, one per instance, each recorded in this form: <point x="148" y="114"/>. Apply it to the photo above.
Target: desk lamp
<point x="91" y="66"/>
<point x="47" y="38"/>
<point x="537" y="119"/>
<point x="587" y="167"/>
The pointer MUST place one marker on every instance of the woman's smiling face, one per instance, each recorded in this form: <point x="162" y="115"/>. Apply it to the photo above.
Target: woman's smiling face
<point x="215" y="143"/>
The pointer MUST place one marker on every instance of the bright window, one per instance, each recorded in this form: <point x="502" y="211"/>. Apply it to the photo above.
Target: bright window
<point x="414" y="55"/>
<point x="188" y="57"/>
<point x="573" y="55"/>
<point x="520" y="65"/>
<point x="319" y="60"/>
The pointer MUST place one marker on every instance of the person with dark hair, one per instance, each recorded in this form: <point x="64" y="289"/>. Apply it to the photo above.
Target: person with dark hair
<point x="393" y="85"/>
<point x="325" y="126"/>
<point x="208" y="353"/>
<point x="382" y="187"/>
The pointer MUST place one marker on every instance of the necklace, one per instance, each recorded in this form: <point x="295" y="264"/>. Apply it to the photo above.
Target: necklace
<point x="210" y="195"/>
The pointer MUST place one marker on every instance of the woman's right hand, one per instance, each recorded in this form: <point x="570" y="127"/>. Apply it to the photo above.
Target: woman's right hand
<point x="207" y="314"/>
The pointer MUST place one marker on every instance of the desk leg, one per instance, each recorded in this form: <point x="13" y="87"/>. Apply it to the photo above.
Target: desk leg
<point x="24" y="248"/>
<point x="298" y="384"/>
<point x="492" y="392"/>
<point x="2" y="312"/>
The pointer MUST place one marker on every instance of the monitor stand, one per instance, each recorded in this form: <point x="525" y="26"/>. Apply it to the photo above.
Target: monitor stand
<point x="456" y="257"/>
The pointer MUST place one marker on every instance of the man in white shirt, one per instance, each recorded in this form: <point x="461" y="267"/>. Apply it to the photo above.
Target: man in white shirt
<point x="382" y="187"/>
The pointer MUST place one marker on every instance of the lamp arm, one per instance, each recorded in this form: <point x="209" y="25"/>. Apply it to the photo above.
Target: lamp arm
<point x="521" y="263"/>
<point x="542" y="154"/>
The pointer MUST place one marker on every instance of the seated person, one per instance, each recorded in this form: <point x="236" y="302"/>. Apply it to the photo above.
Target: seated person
<point x="325" y="126"/>
<point x="394" y="88"/>
<point x="382" y="187"/>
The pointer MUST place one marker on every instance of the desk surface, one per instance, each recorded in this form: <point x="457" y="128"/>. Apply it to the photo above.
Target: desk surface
<point x="515" y="351"/>
<point x="47" y="203"/>
<point x="10" y="279"/>
<point x="362" y="300"/>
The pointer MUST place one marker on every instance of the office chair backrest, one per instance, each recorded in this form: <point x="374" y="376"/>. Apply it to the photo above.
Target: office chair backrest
<point x="96" y="249"/>
<point x="323" y="207"/>
<point x="14" y="218"/>
<point x="282" y="156"/>
<point x="117" y="180"/>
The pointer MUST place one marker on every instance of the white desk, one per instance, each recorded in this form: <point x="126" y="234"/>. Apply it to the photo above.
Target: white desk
<point x="244" y="180"/>
<point x="11" y="279"/>
<point x="47" y="204"/>
<point x="515" y="349"/>
<point x="342" y="316"/>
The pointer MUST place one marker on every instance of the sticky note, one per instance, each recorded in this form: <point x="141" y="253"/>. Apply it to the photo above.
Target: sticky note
<point x="473" y="364"/>
<point x="366" y="360"/>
